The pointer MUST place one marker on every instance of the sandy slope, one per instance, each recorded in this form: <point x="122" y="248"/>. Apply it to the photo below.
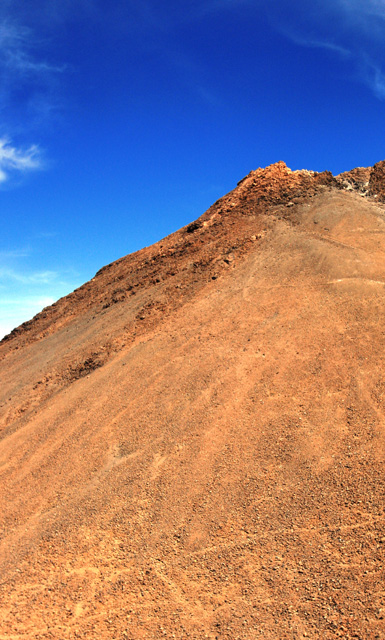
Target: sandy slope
<point x="204" y="457"/>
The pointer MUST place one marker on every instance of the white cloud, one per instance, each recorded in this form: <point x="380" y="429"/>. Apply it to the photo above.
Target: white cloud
<point x="24" y="76"/>
<point x="17" y="160"/>
<point x="29" y="92"/>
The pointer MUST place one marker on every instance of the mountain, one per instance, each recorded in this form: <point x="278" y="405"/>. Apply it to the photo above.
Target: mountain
<point x="193" y="442"/>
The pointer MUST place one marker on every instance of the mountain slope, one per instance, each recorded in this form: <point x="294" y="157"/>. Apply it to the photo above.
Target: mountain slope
<point x="193" y="442"/>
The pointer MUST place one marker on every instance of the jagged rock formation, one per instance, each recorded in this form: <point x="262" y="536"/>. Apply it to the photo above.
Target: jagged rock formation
<point x="193" y="443"/>
<point x="357" y="179"/>
<point x="377" y="181"/>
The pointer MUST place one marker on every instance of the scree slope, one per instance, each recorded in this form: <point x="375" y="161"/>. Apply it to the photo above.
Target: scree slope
<point x="193" y="442"/>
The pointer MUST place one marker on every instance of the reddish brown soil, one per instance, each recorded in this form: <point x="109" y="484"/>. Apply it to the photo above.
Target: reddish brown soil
<point x="193" y="443"/>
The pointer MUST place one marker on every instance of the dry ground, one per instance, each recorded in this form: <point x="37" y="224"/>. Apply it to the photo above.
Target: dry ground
<point x="193" y="443"/>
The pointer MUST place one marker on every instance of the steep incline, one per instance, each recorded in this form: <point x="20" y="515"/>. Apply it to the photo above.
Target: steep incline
<point x="134" y="294"/>
<point x="193" y="443"/>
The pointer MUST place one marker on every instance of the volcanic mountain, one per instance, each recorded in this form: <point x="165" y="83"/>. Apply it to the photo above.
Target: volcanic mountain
<point x="193" y="442"/>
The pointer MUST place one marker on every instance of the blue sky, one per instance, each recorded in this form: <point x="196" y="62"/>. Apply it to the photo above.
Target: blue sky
<point x="122" y="121"/>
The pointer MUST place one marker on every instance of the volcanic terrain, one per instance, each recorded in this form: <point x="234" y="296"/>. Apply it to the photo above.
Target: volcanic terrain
<point x="193" y="442"/>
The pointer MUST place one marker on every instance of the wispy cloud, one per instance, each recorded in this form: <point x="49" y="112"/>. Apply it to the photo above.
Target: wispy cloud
<point x="28" y="94"/>
<point x="25" y="289"/>
<point x="374" y="77"/>
<point x="36" y="278"/>
<point x="359" y="8"/>
<point x="20" y="161"/>
<point x="305" y="41"/>
<point x="23" y="65"/>
<point x="17" y="51"/>
<point x="11" y="254"/>
<point x="33" y="300"/>
<point x="352" y="29"/>
<point x="378" y="84"/>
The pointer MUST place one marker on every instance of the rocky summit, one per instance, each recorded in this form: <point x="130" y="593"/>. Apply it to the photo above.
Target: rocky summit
<point x="193" y="442"/>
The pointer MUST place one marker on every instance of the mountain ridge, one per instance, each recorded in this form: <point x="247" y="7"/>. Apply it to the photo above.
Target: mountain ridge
<point x="274" y="185"/>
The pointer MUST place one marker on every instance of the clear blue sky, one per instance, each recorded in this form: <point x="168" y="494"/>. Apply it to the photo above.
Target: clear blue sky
<point x="121" y="121"/>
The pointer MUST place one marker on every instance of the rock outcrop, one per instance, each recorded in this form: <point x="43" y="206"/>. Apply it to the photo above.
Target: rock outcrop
<point x="377" y="181"/>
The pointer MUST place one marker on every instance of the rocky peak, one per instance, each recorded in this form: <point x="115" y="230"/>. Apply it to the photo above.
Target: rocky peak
<point x="278" y="184"/>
